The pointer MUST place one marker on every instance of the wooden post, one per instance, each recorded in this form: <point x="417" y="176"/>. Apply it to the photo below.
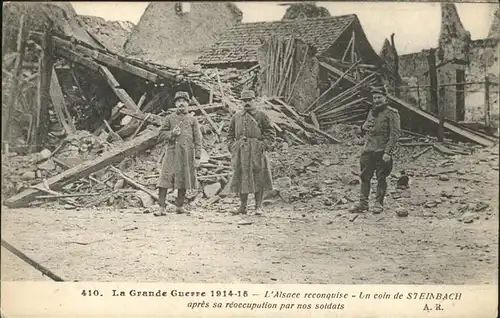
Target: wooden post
<point x="441" y="104"/>
<point x="46" y="64"/>
<point x="15" y="85"/>
<point x="418" y="95"/>
<point x="487" y="101"/>
<point x="436" y="108"/>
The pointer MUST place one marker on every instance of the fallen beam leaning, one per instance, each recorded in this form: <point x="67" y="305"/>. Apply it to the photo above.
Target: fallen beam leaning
<point x="84" y="169"/>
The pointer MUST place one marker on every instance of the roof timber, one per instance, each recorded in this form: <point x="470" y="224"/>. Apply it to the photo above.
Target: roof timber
<point x="91" y="57"/>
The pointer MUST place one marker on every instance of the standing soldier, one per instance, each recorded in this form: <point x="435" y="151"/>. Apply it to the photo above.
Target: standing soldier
<point x="250" y="136"/>
<point x="382" y="128"/>
<point x="183" y="152"/>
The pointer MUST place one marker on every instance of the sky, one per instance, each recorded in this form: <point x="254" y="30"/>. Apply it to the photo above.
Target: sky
<point x="416" y="25"/>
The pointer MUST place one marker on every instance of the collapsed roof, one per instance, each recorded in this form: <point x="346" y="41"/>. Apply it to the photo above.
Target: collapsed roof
<point x="240" y="43"/>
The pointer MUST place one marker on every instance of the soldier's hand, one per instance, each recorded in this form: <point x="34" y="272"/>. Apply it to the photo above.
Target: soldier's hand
<point x="176" y="131"/>
<point x="196" y="163"/>
<point x="386" y="157"/>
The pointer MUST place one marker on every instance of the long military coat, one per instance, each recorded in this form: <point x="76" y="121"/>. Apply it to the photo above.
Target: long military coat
<point x="248" y="139"/>
<point x="178" y="170"/>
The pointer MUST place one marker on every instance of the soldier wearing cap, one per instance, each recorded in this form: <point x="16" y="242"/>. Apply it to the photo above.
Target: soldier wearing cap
<point x="382" y="128"/>
<point x="250" y="136"/>
<point x="182" y="157"/>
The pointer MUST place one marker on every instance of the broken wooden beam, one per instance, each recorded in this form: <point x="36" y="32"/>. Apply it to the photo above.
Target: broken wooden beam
<point x="105" y="59"/>
<point x="415" y="156"/>
<point x="41" y="120"/>
<point x="210" y="121"/>
<point x="133" y="183"/>
<point x="443" y="149"/>
<point x="152" y="118"/>
<point x="315" y="121"/>
<point x="77" y="58"/>
<point x="140" y="126"/>
<point x="71" y="195"/>
<point x="120" y="92"/>
<point x="472" y="136"/>
<point x="402" y="105"/>
<point x="115" y="112"/>
<point x="31" y="262"/>
<point x="13" y="93"/>
<point x="321" y="132"/>
<point x="84" y="169"/>
<point x="62" y="113"/>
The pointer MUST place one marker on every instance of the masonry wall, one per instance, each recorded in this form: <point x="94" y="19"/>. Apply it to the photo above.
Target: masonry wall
<point x="173" y="39"/>
<point x="483" y="55"/>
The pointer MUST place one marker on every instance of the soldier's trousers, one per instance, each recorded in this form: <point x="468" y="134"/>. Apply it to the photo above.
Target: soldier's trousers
<point x="372" y="162"/>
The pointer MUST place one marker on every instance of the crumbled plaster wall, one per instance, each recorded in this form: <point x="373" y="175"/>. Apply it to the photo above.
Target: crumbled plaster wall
<point x="165" y="36"/>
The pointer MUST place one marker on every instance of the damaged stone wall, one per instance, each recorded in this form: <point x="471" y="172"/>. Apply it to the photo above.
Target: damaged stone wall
<point x="482" y="56"/>
<point x="454" y="40"/>
<point x="111" y="34"/>
<point x="38" y="16"/>
<point x="177" y="39"/>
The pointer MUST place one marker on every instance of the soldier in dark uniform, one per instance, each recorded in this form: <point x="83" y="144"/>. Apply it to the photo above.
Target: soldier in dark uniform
<point x="382" y="128"/>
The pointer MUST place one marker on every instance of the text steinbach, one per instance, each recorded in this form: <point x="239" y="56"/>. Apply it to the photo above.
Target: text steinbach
<point x="158" y="293"/>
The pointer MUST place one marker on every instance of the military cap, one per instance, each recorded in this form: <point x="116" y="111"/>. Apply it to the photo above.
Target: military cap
<point x="181" y="95"/>
<point x="247" y="94"/>
<point x="378" y="90"/>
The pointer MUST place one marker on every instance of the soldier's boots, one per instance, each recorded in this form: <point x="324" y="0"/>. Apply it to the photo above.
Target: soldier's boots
<point x="379" y="203"/>
<point x="243" y="204"/>
<point x="160" y="211"/>
<point x="360" y="207"/>
<point x="259" y="210"/>
<point x="377" y="208"/>
<point x="179" y="202"/>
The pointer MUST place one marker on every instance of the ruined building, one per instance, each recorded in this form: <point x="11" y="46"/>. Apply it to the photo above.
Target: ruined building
<point x="304" y="10"/>
<point x="459" y="60"/>
<point x="176" y="33"/>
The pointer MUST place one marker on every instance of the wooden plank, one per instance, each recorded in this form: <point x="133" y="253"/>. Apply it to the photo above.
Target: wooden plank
<point x="59" y="104"/>
<point x="443" y="149"/>
<point x="120" y="92"/>
<point x="84" y="169"/>
<point x="288" y="108"/>
<point x="415" y="156"/>
<point x="77" y="58"/>
<point x="106" y="59"/>
<point x="71" y="195"/>
<point x="142" y="100"/>
<point x="133" y="183"/>
<point x="447" y="125"/>
<point x="347" y="50"/>
<point x="152" y="118"/>
<point x="210" y="121"/>
<point x="13" y="94"/>
<point x="319" y="131"/>
<point x="334" y="84"/>
<point x="115" y="112"/>
<point x="315" y="120"/>
<point x="31" y="262"/>
<point x="46" y="62"/>
<point x="140" y="126"/>
<point x="290" y="94"/>
<point x="161" y="73"/>
<point x="486" y="101"/>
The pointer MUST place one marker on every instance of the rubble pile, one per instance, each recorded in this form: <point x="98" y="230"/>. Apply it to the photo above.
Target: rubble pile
<point x="117" y="162"/>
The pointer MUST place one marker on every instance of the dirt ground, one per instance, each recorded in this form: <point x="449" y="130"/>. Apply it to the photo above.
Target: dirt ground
<point x="300" y="242"/>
